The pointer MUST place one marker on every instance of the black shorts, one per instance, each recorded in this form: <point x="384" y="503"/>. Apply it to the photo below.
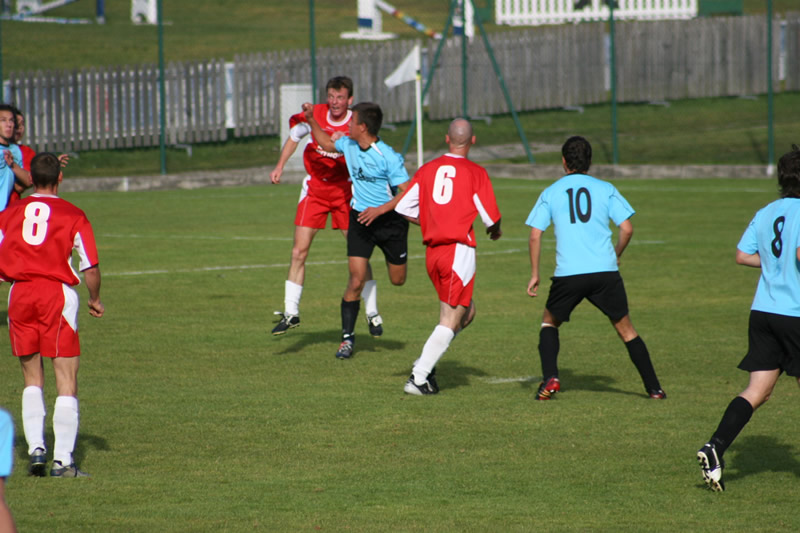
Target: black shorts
<point x="389" y="232"/>
<point x="774" y="343"/>
<point x="604" y="289"/>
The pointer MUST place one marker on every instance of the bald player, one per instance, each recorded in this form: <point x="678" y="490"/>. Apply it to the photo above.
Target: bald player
<point x="444" y="198"/>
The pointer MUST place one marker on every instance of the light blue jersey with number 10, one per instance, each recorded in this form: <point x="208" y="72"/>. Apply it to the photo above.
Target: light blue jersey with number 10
<point x="581" y="208"/>
<point x="774" y="233"/>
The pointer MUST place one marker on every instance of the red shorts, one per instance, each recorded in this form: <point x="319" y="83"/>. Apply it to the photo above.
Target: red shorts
<point x="451" y="268"/>
<point x="43" y="318"/>
<point x="318" y="198"/>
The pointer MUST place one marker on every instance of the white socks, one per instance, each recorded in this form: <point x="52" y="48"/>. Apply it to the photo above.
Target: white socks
<point x="370" y="295"/>
<point x="65" y="427"/>
<point x="433" y="350"/>
<point x="292" y="294"/>
<point x="33" y="413"/>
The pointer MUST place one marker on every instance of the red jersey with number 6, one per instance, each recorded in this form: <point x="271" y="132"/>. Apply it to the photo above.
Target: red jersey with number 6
<point x="446" y="195"/>
<point x="37" y="237"/>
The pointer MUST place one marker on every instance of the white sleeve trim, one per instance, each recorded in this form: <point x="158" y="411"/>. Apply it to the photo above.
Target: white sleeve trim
<point x="409" y="203"/>
<point x="487" y="220"/>
<point x="299" y="130"/>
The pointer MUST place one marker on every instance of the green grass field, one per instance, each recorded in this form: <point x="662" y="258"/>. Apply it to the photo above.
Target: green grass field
<point x="195" y="419"/>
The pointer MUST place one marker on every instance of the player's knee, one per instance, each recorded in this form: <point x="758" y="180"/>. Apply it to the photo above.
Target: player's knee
<point x="299" y="255"/>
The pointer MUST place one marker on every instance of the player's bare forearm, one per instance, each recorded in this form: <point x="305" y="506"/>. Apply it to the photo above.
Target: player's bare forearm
<point x="322" y="138"/>
<point x="625" y="235"/>
<point x="413" y="220"/>
<point x="286" y="152"/>
<point x="752" y="260"/>
<point x="92" y="278"/>
<point x="535" y="248"/>
<point x="368" y="215"/>
<point x="22" y="176"/>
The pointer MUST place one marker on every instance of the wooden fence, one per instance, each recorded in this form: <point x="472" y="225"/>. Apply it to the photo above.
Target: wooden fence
<point x="543" y="67"/>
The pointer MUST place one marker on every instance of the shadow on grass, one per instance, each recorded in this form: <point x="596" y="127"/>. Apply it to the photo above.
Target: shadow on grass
<point x="328" y="341"/>
<point x="571" y="380"/>
<point x="84" y="443"/>
<point x="760" y="453"/>
<point x="450" y="374"/>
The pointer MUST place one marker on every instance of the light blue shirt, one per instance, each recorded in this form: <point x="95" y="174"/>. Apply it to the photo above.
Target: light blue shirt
<point x="374" y="172"/>
<point x="6" y="174"/>
<point x="774" y="233"/>
<point x="6" y="443"/>
<point x="581" y="208"/>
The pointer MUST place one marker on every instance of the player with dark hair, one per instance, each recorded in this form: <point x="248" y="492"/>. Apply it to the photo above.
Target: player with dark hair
<point x="771" y="242"/>
<point x="326" y="191"/>
<point x="444" y="198"/>
<point x="11" y="170"/>
<point x="377" y="172"/>
<point x="581" y="208"/>
<point x="37" y="237"/>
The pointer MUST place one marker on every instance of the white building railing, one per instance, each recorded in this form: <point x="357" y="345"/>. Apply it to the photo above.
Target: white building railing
<point x="537" y="12"/>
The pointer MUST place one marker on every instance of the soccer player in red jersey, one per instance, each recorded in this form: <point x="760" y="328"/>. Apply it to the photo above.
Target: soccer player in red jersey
<point x="444" y="198"/>
<point x="326" y="190"/>
<point x="37" y="237"/>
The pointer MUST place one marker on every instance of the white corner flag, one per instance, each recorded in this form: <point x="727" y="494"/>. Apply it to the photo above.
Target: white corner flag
<point x="410" y="70"/>
<point x="405" y="71"/>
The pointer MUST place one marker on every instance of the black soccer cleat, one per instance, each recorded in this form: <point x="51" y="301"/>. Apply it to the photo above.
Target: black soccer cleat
<point x="60" y="470"/>
<point x="38" y="464"/>
<point x="548" y="389"/>
<point x="375" y="325"/>
<point x="346" y="348"/>
<point x="286" y="323"/>
<point x="657" y="394"/>
<point x="419" y="390"/>
<point x="712" y="466"/>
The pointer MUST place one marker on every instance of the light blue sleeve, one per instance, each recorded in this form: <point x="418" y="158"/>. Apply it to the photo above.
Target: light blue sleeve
<point x="6" y="444"/>
<point x="540" y="216"/>
<point x="749" y="241"/>
<point x="397" y="171"/>
<point x="618" y="207"/>
<point x="342" y="143"/>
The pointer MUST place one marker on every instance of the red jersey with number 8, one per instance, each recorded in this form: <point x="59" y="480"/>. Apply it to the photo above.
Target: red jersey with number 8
<point x="37" y="237"/>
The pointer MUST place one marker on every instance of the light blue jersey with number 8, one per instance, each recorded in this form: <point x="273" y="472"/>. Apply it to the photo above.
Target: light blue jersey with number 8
<point x="774" y="233"/>
<point x="581" y="208"/>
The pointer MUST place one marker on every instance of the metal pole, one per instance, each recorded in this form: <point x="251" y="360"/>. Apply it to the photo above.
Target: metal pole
<point x="501" y="81"/>
<point x="770" y="99"/>
<point x="430" y="75"/>
<point x="161" y="89"/>
<point x="613" y="66"/>
<point x="464" y="65"/>
<point x="313" y="45"/>
<point x="2" y="83"/>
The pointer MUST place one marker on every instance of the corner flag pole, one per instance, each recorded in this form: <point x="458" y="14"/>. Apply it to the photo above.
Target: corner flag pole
<point x="613" y="67"/>
<point x="770" y="108"/>
<point x="312" y="33"/>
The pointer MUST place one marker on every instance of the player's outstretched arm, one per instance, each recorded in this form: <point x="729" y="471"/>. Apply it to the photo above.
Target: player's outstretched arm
<point x="322" y="138"/>
<point x="20" y="174"/>
<point x="92" y="277"/>
<point x="286" y="152"/>
<point x="535" y="249"/>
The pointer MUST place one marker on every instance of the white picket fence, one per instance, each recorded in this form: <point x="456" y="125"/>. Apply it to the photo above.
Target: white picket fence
<point x="538" y="12"/>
